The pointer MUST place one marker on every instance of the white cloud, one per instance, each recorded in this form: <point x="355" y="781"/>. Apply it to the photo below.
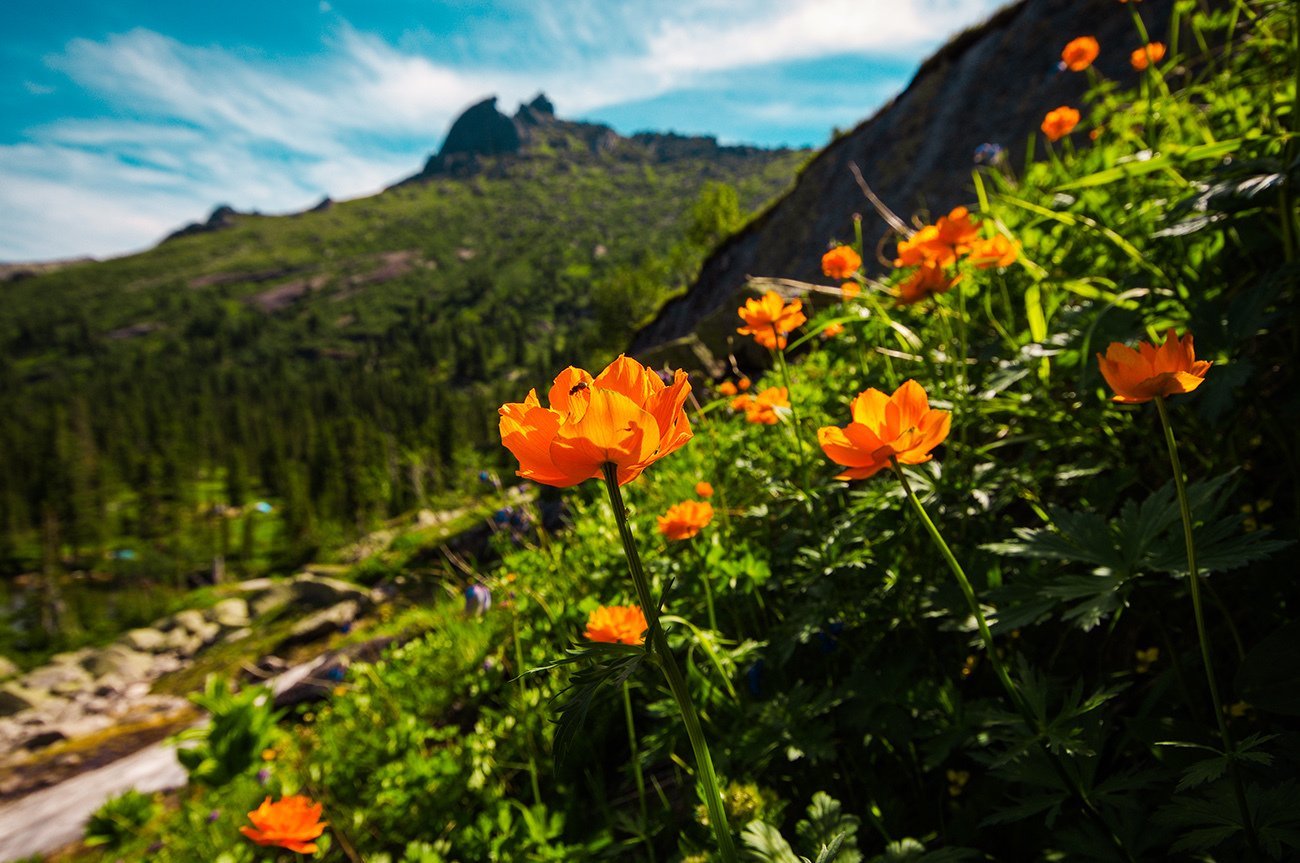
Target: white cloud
<point x="188" y="127"/>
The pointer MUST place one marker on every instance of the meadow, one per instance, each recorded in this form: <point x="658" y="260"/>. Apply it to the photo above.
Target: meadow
<point x="991" y="561"/>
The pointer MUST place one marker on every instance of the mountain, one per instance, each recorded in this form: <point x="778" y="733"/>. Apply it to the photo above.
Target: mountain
<point x="987" y="85"/>
<point x="345" y="362"/>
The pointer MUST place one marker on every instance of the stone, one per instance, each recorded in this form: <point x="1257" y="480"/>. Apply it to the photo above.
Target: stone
<point x="321" y="625"/>
<point x="314" y="591"/>
<point x="42" y="739"/>
<point x="184" y="643"/>
<point x="230" y="613"/>
<point x="146" y="640"/>
<point x="57" y="676"/>
<point x="120" y="660"/>
<point x="191" y="619"/>
<point x="15" y="699"/>
<point x="273" y="597"/>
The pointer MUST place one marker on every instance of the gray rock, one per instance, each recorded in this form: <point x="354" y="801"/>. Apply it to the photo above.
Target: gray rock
<point x="120" y="660"/>
<point x="8" y="668"/>
<point x="272" y="597"/>
<point x="313" y="591"/>
<point x="191" y="619"/>
<point x="42" y="739"/>
<point x="230" y="613"/>
<point x="322" y="624"/>
<point x="146" y="640"/>
<point x="183" y="642"/>
<point x="16" y="699"/>
<point x="57" y="676"/>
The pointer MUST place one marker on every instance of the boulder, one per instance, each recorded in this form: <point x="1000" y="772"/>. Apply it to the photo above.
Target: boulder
<point x="146" y="640"/>
<point x="120" y="660"/>
<point x="268" y="596"/>
<point x="190" y="619"/>
<point x="313" y="591"/>
<point x="321" y="625"/>
<point x="230" y="613"/>
<point x="183" y="642"/>
<point x="16" y="699"/>
<point x="57" y="677"/>
<point x="42" y="739"/>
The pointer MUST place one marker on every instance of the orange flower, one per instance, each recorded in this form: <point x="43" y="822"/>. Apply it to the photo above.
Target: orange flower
<point x="901" y="425"/>
<point x="763" y="408"/>
<point x="626" y="415"/>
<point x="995" y="252"/>
<point x="1079" y="53"/>
<point x="704" y="489"/>
<point x="741" y="402"/>
<point x="684" y="520"/>
<point x="1140" y="375"/>
<point x="727" y="388"/>
<point x="928" y="281"/>
<point x="1146" y="55"/>
<point x="1059" y="122"/>
<point x="291" y="822"/>
<point x="832" y="330"/>
<point x="957" y="231"/>
<point x="617" y="624"/>
<point x="841" y="262"/>
<point x="743" y="383"/>
<point x="769" y="318"/>
<point x="849" y="290"/>
<point x="922" y="246"/>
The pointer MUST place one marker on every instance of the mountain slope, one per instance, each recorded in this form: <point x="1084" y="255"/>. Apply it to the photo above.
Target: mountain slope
<point x="988" y="84"/>
<point x="346" y="361"/>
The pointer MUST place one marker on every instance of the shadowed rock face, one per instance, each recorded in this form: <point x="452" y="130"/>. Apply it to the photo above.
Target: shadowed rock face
<point x="482" y="130"/>
<point x="993" y="83"/>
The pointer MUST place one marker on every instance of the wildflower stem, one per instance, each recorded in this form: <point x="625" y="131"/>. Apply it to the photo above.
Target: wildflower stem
<point x="523" y="692"/>
<point x="1194" y="585"/>
<point x="999" y="668"/>
<point x="637" y="775"/>
<point x="707" y="577"/>
<point x="794" y="415"/>
<point x="673" y="676"/>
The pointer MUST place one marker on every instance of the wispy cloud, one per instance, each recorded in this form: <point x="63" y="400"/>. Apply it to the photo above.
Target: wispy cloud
<point x="186" y="126"/>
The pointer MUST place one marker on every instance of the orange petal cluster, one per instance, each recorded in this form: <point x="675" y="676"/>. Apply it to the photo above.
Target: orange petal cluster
<point x="292" y="823"/>
<point x="704" y="489"/>
<point x="626" y="416"/>
<point x="1140" y="375"/>
<point x="926" y="281"/>
<point x="762" y="409"/>
<point x="684" y="520"/>
<point x="996" y="251"/>
<point x="841" y="263"/>
<point x="1079" y="53"/>
<point x="1143" y="57"/>
<point x="769" y="319"/>
<point x="849" y="290"/>
<point x="941" y="243"/>
<point x="727" y="388"/>
<point x="901" y="426"/>
<point x="617" y="624"/>
<point x="830" y="331"/>
<point x="1059" y="122"/>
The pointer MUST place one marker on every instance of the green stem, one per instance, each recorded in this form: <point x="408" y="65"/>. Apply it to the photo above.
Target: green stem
<point x="676" y="683"/>
<point x="999" y="668"/>
<point x="523" y="688"/>
<point x="794" y="414"/>
<point x="636" y="771"/>
<point x="1194" y="585"/>
<point x="708" y="583"/>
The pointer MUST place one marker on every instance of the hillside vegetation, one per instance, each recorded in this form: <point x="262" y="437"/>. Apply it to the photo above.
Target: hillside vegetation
<point x="989" y="640"/>
<point x="340" y="365"/>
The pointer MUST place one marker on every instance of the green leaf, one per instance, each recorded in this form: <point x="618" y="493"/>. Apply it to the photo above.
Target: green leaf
<point x="1137" y="168"/>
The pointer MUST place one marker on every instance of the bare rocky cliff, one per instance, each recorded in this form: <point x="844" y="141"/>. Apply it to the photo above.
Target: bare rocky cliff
<point x="992" y="84"/>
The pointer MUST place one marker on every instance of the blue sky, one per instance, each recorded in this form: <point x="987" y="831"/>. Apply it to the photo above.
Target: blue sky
<point x="121" y="121"/>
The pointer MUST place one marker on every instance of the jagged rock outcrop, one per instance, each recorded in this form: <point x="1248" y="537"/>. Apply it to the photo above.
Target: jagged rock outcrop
<point x="992" y="83"/>
<point x="223" y="216"/>
<point x="484" y="138"/>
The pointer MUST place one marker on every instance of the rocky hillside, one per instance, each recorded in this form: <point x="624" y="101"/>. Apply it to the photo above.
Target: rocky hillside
<point x="987" y="85"/>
